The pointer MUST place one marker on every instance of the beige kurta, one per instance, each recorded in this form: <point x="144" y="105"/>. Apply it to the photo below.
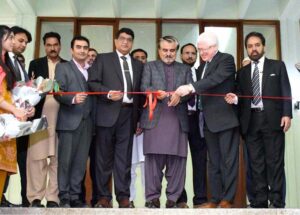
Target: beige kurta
<point x="44" y="143"/>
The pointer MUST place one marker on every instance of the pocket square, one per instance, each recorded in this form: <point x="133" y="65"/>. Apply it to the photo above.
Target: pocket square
<point x="273" y="74"/>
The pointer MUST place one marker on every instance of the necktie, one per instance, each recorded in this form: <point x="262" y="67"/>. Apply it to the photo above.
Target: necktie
<point x="127" y="77"/>
<point x="255" y="85"/>
<point x="17" y="70"/>
<point x="191" y="101"/>
<point x="199" y="97"/>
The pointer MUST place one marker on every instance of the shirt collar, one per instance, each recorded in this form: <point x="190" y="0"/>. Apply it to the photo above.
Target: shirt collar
<point x="120" y="55"/>
<point x="86" y="65"/>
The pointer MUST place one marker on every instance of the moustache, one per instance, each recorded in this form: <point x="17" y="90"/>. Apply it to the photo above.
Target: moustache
<point x="53" y="51"/>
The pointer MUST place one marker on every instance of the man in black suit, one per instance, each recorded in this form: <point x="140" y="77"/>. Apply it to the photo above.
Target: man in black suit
<point x="74" y="123"/>
<point x="188" y="54"/>
<point x="21" y="39"/>
<point x="264" y="120"/>
<point x="117" y="113"/>
<point x="221" y="123"/>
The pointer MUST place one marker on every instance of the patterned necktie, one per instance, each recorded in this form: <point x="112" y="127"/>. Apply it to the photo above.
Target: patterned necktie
<point x="255" y="85"/>
<point x="17" y="69"/>
<point x="127" y="77"/>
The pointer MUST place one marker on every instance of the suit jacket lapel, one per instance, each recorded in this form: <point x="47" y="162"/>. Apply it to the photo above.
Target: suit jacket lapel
<point x="116" y="63"/>
<point x="266" y="73"/>
<point x="177" y="74"/>
<point x="161" y="70"/>
<point x="45" y="68"/>
<point x="211" y="64"/>
<point x="134" y="69"/>
<point x="248" y="80"/>
<point x="79" y="75"/>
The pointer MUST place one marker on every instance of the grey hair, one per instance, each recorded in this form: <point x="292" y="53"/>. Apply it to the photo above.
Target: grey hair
<point x="208" y="37"/>
<point x="169" y="39"/>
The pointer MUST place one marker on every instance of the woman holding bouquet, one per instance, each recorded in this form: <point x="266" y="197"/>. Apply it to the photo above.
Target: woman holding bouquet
<point x="8" y="152"/>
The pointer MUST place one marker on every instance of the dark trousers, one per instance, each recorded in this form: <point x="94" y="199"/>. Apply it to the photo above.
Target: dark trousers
<point x="92" y="175"/>
<point x="73" y="150"/>
<point x="249" y="180"/>
<point x="113" y="156"/>
<point x="175" y="167"/>
<point x="223" y="163"/>
<point x="266" y="153"/>
<point x="22" y="145"/>
<point x="199" y="162"/>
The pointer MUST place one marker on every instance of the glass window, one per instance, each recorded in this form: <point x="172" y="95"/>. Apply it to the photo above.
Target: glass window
<point x="100" y="36"/>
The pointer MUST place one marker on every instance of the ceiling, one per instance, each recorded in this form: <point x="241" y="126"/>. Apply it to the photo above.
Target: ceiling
<point x="190" y="9"/>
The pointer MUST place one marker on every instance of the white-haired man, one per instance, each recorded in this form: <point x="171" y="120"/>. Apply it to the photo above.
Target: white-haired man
<point x="221" y="123"/>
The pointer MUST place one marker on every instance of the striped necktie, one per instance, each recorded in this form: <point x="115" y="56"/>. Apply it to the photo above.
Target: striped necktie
<point x="255" y="85"/>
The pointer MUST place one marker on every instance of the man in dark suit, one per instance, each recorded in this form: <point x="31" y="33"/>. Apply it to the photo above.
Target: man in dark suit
<point x="74" y="123"/>
<point x="21" y="39"/>
<point x="117" y="113"/>
<point x="165" y="136"/>
<point x="198" y="149"/>
<point x="221" y="123"/>
<point x="264" y="120"/>
<point x="43" y="145"/>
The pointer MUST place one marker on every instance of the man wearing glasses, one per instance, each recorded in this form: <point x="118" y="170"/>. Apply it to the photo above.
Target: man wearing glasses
<point x="220" y="120"/>
<point x="117" y="74"/>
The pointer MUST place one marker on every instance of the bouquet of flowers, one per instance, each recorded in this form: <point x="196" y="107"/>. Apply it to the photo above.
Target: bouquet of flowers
<point x="26" y="95"/>
<point x="10" y="127"/>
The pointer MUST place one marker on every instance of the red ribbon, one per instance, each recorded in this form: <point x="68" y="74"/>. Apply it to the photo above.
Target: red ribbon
<point x="151" y="101"/>
<point x="151" y="97"/>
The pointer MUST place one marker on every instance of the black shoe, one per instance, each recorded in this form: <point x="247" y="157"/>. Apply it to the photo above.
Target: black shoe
<point x="6" y="204"/>
<point x="154" y="203"/>
<point x="132" y="204"/>
<point x="273" y="205"/>
<point x="52" y="204"/>
<point x="64" y="203"/>
<point x="36" y="204"/>
<point x="78" y="204"/>
<point x="25" y="203"/>
<point x="170" y="204"/>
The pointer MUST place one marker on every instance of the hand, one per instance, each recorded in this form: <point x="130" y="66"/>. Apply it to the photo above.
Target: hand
<point x="174" y="100"/>
<point x="115" y="95"/>
<point x="30" y="112"/>
<point x="184" y="90"/>
<point x="285" y="123"/>
<point x="230" y="98"/>
<point x="20" y="114"/>
<point x="162" y="94"/>
<point x="80" y="98"/>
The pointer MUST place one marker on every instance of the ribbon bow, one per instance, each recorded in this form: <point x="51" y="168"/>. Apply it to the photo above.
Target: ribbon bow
<point x="151" y="101"/>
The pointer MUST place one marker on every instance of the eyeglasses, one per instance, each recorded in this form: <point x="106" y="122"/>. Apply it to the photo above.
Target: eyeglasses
<point x="124" y="39"/>
<point x="205" y="50"/>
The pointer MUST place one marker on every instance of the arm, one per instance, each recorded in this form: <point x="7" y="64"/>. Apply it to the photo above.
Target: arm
<point x="224" y="70"/>
<point x="61" y="71"/>
<point x="287" y="103"/>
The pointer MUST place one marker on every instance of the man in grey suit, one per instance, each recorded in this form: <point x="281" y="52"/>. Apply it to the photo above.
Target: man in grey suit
<point x="220" y="120"/>
<point x="74" y="124"/>
<point x="117" y="113"/>
<point x="165" y="136"/>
